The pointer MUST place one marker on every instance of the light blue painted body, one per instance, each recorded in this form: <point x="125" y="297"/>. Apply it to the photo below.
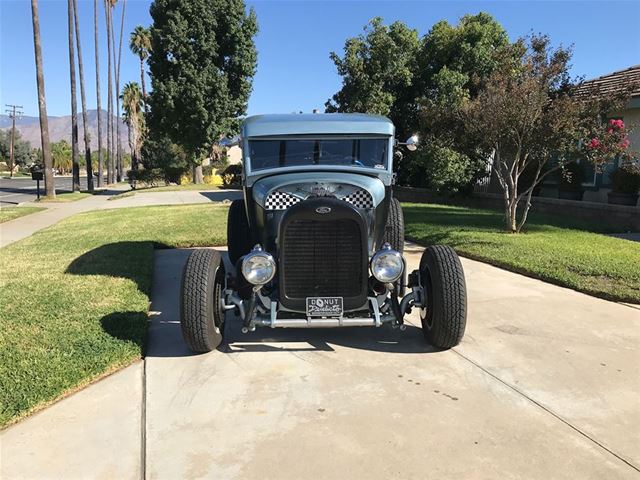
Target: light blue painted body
<point x="317" y="124"/>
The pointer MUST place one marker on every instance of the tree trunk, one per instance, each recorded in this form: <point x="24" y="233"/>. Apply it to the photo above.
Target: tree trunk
<point x="512" y="225"/>
<point x="74" y="109"/>
<point x="197" y="174"/>
<point x="83" y="101"/>
<point x="144" y="88"/>
<point x="113" y="119"/>
<point x="118" y="142"/>
<point x="42" y="105"/>
<point x="107" y="14"/>
<point x="97" y="52"/>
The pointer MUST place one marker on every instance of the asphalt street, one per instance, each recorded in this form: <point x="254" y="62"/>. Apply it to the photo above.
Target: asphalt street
<point x="20" y="189"/>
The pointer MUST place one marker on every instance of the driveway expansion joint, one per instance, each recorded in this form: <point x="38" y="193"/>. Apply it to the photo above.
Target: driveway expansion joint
<point x="547" y="410"/>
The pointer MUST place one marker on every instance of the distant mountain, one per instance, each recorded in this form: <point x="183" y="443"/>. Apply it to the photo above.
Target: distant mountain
<point x="60" y="128"/>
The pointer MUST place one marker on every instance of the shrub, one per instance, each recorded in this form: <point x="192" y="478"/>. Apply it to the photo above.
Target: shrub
<point x="166" y="156"/>
<point x="441" y="169"/>
<point x="571" y="178"/>
<point x="626" y="179"/>
<point x="150" y="177"/>
<point x="232" y="176"/>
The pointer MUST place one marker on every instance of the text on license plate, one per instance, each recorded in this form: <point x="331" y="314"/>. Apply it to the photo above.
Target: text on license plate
<point x="324" y="306"/>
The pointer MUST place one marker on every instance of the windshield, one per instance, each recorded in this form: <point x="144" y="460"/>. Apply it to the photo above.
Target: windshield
<point x="353" y="152"/>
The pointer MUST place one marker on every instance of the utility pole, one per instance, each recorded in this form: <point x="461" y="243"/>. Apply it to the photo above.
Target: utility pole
<point x="14" y="111"/>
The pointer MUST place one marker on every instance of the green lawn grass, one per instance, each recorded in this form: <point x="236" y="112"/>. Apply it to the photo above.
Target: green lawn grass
<point x="66" y="197"/>
<point x="11" y="213"/>
<point x="16" y="175"/>
<point x="164" y="188"/>
<point x="556" y="249"/>
<point x="75" y="297"/>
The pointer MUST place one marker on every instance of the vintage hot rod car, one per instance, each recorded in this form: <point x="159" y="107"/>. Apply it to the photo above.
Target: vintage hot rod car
<point x="318" y="239"/>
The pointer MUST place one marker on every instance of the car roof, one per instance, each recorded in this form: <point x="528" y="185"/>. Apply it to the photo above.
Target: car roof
<point x="316" y="123"/>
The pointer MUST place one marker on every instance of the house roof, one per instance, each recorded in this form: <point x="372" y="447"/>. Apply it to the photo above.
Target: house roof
<point x="316" y="123"/>
<point x="613" y="83"/>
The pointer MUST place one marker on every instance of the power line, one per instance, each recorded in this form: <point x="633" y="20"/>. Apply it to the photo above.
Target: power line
<point x="14" y="111"/>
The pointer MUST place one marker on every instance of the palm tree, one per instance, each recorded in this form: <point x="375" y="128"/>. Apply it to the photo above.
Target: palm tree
<point x="42" y="105"/>
<point x="140" y="45"/>
<point x="119" y="146"/>
<point x="97" y="55"/>
<point x="75" y="185"/>
<point x="107" y="15"/>
<point x="132" y="103"/>
<point x="83" y="100"/>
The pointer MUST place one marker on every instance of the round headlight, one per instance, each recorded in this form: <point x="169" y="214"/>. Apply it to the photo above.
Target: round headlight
<point x="387" y="265"/>
<point x="258" y="267"/>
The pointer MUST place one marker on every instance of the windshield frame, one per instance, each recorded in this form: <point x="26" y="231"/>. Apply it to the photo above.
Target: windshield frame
<point x="351" y="168"/>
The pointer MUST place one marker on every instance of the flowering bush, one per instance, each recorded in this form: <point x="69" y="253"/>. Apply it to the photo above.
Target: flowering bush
<point x="609" y="141"/>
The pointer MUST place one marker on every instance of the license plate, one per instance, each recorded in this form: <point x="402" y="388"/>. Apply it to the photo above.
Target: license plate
<point x="324" y="306"/>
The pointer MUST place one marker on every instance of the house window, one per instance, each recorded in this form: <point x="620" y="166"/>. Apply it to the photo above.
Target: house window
<point x="608" y="168"/>
<point x="589" y="173"/>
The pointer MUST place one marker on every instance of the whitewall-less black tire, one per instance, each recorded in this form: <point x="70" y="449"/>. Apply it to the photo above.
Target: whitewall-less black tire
<point x="445" y="318"/>
<point x="203" y="283"/>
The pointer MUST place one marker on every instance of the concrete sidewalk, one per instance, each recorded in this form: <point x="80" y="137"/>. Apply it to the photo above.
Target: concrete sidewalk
<point x="544" y="385"/>
<point x="25" y="226"/>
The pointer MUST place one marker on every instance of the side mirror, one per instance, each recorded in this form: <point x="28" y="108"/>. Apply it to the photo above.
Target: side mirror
<point x="229" y="142"/>
<point x="412" y="142"/>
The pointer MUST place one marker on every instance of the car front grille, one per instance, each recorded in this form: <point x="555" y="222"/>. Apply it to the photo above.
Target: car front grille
<point x="323" y="259"/>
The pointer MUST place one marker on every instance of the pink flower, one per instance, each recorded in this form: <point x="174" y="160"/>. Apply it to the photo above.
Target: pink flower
<point x="617" y="124"/>
<point x="610" y="131"/>
<point x="594" y="144"/>
<point x="625" y="143"/>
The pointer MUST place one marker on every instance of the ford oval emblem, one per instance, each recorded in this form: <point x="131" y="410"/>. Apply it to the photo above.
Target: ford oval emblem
<point x="323" y="210"/>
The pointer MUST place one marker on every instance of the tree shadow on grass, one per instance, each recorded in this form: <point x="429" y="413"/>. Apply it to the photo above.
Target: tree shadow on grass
<point x="129" y="260"/>
<point x="126" y="326"/>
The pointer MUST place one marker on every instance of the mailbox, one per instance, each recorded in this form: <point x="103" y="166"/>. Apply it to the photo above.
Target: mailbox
<point x="37" y="175"/>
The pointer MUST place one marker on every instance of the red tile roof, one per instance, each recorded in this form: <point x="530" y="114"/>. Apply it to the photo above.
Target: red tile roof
<point x="613" y="83"/>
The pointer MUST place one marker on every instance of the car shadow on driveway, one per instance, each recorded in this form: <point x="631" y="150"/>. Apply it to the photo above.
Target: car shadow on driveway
<point x="383" y="339"/>
<point x="165" y="335"/>
<point x="221" y="195"/>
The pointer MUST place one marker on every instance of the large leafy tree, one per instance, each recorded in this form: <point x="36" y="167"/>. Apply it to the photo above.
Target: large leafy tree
<point x="389" y="70"/>
<point x="22" y="152"/>
<point x="455" y="62"/>
<point x="378" y="71"/>
<point x="202" y="62"/>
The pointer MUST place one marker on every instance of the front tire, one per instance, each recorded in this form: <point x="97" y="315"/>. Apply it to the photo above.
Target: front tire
<point x="203" y="284"/>
<point x="394" y="229"/>
<point x="445" y="317"/>
<point x="394" y="236"/>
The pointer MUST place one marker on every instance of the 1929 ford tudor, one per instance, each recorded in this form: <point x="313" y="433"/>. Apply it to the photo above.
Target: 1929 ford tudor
<point x="318" y="239"/>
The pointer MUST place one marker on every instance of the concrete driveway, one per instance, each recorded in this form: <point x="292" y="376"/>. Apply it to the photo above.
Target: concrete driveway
<point x="545" y="385"/>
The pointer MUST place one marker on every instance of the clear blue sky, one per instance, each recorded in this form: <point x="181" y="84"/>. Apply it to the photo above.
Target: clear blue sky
<point x="295" y="38"/>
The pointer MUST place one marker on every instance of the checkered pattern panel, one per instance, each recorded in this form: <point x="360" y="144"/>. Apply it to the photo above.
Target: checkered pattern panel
<point x="280" y="201"/>
<point x="359" y="199"/>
